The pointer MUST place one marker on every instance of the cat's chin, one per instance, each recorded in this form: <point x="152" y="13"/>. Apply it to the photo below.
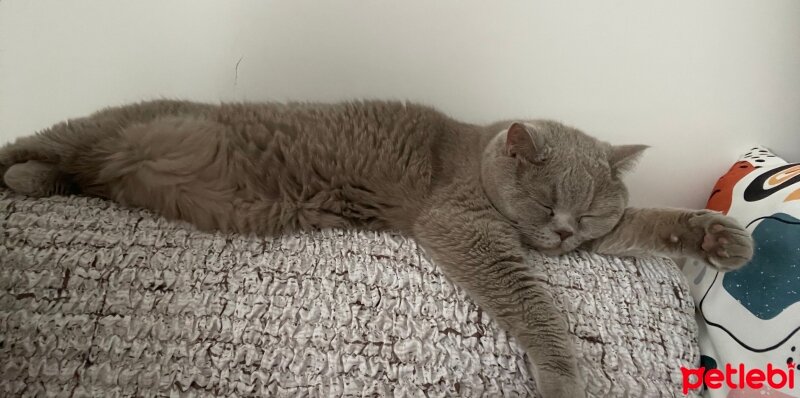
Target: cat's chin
<point x="553" y="252"/>
<point x="557" y="250"/>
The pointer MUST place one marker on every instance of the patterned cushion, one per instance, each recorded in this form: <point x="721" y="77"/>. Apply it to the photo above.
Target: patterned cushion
<point x="98" y="300"/>
<point x="752" y="316"/>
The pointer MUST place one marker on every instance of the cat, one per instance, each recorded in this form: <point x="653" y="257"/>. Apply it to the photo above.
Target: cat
<point x="474" y="197"/>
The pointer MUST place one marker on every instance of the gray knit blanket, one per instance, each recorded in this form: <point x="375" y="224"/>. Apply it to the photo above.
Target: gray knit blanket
<point x="97" y="300"/>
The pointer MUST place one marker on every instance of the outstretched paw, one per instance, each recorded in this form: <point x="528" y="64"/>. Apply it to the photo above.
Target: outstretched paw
<point x="725" y="244"/>
<point x="560" y="387"/>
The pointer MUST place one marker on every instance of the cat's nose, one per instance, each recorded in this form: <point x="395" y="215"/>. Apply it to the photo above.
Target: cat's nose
<point x="563" y="234"/>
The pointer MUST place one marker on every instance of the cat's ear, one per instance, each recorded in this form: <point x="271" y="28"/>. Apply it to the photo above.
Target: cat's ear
<point x="622" y="158"/>
<point x="522" y="143"/>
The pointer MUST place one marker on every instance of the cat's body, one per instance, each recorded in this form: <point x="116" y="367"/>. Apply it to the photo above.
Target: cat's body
<point x="473" y="196"/>
<point x="265" y="168"/>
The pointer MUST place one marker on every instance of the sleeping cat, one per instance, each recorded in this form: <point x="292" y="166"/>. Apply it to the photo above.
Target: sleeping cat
<point x="474" y="197"/>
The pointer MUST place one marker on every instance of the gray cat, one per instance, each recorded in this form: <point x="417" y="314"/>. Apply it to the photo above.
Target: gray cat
<point x="475" y="197"/>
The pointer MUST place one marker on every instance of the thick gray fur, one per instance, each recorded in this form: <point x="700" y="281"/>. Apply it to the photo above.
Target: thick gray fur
<point x="475" y="197"/>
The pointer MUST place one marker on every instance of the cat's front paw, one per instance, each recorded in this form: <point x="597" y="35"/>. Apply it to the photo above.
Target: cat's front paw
<point x="724" y="243"/>
<point x="555" y="385"/>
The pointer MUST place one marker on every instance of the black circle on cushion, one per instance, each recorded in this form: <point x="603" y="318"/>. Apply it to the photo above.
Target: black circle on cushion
<point x="755" y="190"/>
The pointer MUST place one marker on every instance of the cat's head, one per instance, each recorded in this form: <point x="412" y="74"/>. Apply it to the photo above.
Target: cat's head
<point x="559" y="186"/>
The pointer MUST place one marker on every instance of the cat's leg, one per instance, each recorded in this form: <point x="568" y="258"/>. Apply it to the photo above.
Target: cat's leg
<point x="483" y="255"/>
<point x="178" y="167"/>
<point x="58" y="145"/>
<point x="46" y="155"/>
<point x="709" y="236"/>
<point x="43" y="150"/>
<point x="38" y="179"/>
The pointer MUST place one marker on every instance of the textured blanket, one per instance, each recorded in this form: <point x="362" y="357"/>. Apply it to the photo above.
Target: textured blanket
<point x="98" y="300"/>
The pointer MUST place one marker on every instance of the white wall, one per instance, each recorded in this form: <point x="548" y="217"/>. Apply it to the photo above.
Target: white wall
<point x="699" y="81"/>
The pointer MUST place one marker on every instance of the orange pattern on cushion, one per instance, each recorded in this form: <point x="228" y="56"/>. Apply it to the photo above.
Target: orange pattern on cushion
<point x="793" y="196"/>
<point x="785" y="175"/>
<point x="722" y="194"/>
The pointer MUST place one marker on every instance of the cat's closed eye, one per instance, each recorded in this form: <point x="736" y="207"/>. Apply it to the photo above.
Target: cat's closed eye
<point x="548" y="208"/>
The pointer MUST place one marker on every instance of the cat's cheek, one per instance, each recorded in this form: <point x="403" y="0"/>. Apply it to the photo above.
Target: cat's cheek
<point x="600" y="229"/>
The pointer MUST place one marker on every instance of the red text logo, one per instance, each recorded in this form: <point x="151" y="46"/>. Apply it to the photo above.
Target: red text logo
<point x="738" y="377"/>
